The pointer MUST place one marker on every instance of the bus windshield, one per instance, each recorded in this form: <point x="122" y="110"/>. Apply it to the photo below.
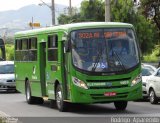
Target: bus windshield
<point x="104" y="50"/>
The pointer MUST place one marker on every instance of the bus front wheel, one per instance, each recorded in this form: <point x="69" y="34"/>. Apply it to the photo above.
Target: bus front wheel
<point x="120" y="105"/>
<point x="61" y="105"/>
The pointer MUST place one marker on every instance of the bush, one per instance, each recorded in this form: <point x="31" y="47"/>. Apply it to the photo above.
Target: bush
<point x="9" y="51"/>
<point x="154" y="56"/>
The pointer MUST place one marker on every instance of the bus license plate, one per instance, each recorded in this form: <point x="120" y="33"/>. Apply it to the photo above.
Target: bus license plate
<point x="109" y="94"/>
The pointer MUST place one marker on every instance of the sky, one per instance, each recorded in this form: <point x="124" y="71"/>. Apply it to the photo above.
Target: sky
<point x="16" y="4"/>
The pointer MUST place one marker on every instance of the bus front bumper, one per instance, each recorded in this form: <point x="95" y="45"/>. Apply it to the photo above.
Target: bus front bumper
<point x="80" y="95"/>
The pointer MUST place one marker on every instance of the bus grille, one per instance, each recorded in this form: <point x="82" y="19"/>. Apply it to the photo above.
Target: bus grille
<point x="112" y="80"/>
<point x="112" y="87"/>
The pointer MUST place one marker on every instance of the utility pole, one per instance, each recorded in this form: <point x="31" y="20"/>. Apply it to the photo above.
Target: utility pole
<point x="107" y="11"/>
<point x="53" y="12"/>
<point x="70" y="9"/>
<point x="52" y="8"/>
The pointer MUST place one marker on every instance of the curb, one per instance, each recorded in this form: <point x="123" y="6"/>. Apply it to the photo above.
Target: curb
<point x="4" y="118"/>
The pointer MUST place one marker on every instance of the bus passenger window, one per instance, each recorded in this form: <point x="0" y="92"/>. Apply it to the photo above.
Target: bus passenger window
<point x="18" y="49"/>
<point x="33" y="49"/>
<point x="25" y="55"/>
<point x="53" y="48"/>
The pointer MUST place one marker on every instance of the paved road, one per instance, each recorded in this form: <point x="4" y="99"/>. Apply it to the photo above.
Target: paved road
<point x="14" y="104"/>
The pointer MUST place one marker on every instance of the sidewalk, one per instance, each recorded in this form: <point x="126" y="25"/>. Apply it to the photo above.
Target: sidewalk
<point x="4" y="118"/>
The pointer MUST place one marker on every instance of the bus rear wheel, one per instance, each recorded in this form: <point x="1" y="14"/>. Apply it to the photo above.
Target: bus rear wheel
<point x="29" y="98"/>
<point x="61" y="105"/>
<point x="120" y="105"/>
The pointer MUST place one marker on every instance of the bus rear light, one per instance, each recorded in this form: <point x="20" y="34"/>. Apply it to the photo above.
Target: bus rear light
<point x="79" y="83"/>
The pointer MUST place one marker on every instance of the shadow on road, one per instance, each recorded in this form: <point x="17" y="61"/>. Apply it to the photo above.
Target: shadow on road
<point x="90" y="109"/>
<point x="8" y="92"/>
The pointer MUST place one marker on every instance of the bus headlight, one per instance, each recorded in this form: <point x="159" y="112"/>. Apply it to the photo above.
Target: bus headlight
<point x="136" y="80"/>
<point x="79" y="83"/>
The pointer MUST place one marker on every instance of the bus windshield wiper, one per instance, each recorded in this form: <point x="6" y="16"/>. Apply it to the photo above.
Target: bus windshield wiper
<point x="114" y="53"/>
<point x="97" y="60"/>
<point x="119" y="60"/>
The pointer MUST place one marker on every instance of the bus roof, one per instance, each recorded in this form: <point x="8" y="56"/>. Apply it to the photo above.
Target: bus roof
<point x="73" y="26"/>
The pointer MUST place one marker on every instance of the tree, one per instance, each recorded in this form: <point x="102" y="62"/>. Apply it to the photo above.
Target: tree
<point x="151" y="9"/>
<point x="69" y="18"/>
<point x="92" y="10"/>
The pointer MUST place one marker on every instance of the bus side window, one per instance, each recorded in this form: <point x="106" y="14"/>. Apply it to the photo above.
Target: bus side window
<point x="53" y="48"/>
<point x="25" y="56"/>
<point x="33" y="49"/>
<point x="18" y="49"/>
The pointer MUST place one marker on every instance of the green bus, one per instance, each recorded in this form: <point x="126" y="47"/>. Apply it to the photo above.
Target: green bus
<point x="91" y="62"/>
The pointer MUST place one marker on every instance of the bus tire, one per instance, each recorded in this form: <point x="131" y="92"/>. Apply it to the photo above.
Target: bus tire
<point x="38" y="100"/>
<point x="120" y="105"/>
<point x="152" y="97"/>
<point x="29" y="98"/>
<point x="61" y="105"/>
<point x="53" y="103"/>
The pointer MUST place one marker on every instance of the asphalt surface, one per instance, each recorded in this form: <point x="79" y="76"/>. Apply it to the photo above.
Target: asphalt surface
<point x="14" y="104"/>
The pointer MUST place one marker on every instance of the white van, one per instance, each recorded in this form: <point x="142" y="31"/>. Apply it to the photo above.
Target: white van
<point x="7" y="77"/>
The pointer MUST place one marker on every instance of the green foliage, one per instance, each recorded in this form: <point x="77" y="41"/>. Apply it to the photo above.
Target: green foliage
<point x="153" y="57"/>
<point x="72" y="17"/>
<point x="0" y="53"/>
<point x="146" y="34"/>
<point x="150" y="58"/>
<point x="9" y="51"/>
<point x="89" y="11"/>
<point x="65" y="19"/>
<point x="92" y="10"/>
<point x="151" y="10"/>
<point x="122" y="11"/>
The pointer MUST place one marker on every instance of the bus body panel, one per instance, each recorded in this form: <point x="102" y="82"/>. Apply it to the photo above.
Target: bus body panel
<point x="24" y="71"/>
